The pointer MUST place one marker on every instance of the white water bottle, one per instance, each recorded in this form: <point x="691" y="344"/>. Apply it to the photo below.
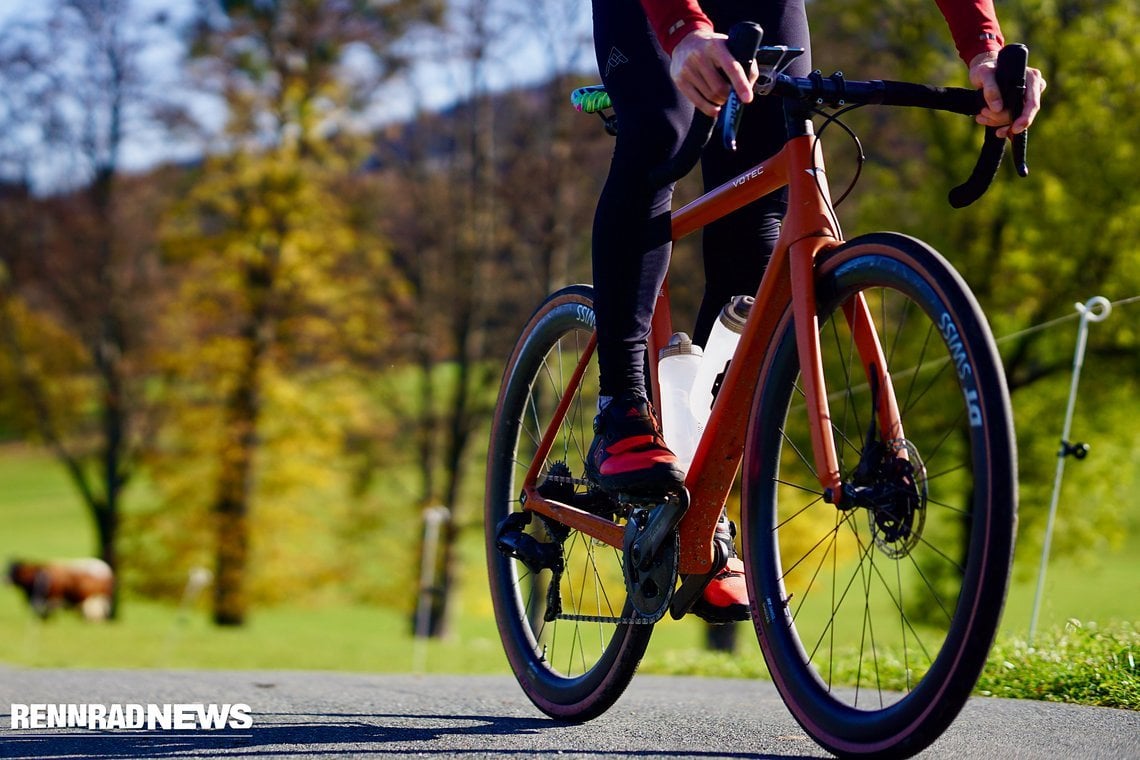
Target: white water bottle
<point x="718" y="352"/>
<point x="678" y="366"/>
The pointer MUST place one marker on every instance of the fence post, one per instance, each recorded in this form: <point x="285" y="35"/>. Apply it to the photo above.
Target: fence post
<point x="1096" y="309"/>
<point x="434" y="518"/>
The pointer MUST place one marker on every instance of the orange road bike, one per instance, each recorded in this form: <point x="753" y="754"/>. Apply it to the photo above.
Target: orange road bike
<point x="866" y="412"/>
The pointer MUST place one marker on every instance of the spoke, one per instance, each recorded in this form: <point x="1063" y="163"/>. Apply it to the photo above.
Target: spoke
<point x="868" y="623"/>
<point x="535" y="437"/>
<point x="828" y="535"/>
<point x="808" y="463"/>
<point x="857" y="448"/>
<point x="806" y="489"/>
<point x="580" y="606"/>
<point x="823" y="558"/>
<point x="899" y="329"/>
<point x="560" y="389"/>
<point x="600" y="585"/>
<point x="912" y="400"/>
<point x="834" y="575"/>
<point x="836" y="605"/>
<point x="845" y="366"/>
<point x="933" y="591"/>
<point x="908" y="397"/>
<point x="951" y="428"/>
<point x="945" y="472"/>
<point x="902" y="613"/>
<point x="906" y="649"/>
<point x="801" y="510"/>
<point x="945" y="505"/>
<point x="953" y="562"/>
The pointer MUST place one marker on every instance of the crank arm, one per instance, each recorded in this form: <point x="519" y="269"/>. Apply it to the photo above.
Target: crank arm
<point x="662" y="521"/>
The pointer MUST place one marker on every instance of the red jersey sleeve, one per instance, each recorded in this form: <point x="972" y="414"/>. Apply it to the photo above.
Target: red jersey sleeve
<point x="673" y="19"/>
<point x="974" y="26"/>
<point x="973" y="23"/>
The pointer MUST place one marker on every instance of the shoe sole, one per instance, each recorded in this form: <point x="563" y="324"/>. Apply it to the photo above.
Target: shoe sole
<point x="657" y="481"/>
<point x="736" y="613"/>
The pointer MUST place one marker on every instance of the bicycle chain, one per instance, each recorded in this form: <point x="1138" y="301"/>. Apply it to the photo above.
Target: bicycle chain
<point x="613" y="620"/>
<point x="567" y="481"/>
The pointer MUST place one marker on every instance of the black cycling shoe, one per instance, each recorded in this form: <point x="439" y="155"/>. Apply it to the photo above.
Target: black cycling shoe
<point x="628" y="454"/>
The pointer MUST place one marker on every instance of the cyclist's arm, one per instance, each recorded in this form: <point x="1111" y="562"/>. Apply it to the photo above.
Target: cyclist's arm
<point x="974" y="26"/>
<point x="673" y="20"/>
<point x="977" y="35"/>
<point x="700" y="62"/>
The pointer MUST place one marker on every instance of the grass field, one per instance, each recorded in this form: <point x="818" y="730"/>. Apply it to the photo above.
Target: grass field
<point x="41" y="518"/>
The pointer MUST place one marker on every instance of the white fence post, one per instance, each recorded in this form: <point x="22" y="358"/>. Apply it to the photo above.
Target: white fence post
<point x="434" y="518"/>
<point x="1096" y="309"/>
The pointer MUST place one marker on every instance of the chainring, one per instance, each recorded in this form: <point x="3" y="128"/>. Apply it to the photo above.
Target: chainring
<point x="651" y="589"/>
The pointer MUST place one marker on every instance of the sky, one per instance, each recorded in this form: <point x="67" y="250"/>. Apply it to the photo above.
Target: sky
<point x="435" y="81"/>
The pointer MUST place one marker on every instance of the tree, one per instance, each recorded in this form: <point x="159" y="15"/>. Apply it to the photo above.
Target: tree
<point x="75" y="94"/>
<point x="269" y="207"/>
<point x="480" y="241"/>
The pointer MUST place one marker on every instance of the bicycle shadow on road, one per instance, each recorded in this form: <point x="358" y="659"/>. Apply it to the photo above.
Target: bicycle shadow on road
<point x="335" y="734"/>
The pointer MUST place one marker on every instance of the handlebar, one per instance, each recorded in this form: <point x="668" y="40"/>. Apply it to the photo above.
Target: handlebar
<point x="835" y="91"/>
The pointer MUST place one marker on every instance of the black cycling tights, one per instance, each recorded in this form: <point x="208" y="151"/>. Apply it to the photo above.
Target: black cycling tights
<point x="631" y="237"/>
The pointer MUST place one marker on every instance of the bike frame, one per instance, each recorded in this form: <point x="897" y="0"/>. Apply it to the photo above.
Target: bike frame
<point x="786" y="291"/>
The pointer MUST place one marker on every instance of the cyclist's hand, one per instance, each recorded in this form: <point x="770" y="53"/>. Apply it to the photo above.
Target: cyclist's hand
<point x="994" y="114"/>
<point x="701" y="62"/>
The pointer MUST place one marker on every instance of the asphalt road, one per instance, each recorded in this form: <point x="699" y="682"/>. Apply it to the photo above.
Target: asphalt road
<point x="320" y="715"/>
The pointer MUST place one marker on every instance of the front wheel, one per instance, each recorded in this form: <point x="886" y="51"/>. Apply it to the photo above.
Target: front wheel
<point x="575" y="665"/>
<point x="876" y="615"/>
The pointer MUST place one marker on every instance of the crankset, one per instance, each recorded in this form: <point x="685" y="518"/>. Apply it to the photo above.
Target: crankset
<point x="651" y="554"/>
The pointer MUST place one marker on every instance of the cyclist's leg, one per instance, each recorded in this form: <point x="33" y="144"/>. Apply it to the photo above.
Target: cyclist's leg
<point x="631" y="235"/>
<point x="632" y="244"/>
<point x="736" y="248"/>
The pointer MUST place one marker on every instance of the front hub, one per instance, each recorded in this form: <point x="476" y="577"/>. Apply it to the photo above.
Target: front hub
<point x="890" y="483"/>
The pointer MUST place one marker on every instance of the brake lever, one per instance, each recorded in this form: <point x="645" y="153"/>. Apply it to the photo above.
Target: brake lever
<point x="743" y="42"/>
<point x="1011" y="81"/>
<point x="1010" y="74"/>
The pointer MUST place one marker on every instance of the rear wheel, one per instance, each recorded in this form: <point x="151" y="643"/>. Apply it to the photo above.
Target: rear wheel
<point x="576" y="665"/>
<point x="876" y="616"/>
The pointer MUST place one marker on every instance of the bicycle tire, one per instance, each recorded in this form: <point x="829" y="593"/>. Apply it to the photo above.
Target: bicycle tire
<point x="840" y="595"/>
<point x="572" y="670"/>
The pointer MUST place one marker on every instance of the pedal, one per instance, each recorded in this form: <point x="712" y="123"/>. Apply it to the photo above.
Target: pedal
<point x="512" y="540"/>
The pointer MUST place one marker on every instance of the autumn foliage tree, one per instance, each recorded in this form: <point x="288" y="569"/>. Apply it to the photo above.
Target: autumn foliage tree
<point x="267" y="221"/>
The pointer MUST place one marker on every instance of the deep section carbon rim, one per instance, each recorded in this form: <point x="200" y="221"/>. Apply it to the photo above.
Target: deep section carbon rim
<point x="575" y="665"/>
<point x="875" y="617"/>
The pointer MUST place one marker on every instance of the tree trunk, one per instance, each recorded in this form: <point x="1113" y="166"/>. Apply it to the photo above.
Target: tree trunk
<point x="232" y="502"/>
<point x="239" y="446"/>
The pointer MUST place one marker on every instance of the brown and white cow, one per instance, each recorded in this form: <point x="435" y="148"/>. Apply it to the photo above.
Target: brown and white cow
<point x="86" y="584"/>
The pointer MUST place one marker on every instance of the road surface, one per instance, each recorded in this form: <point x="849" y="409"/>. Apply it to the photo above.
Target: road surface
<point x="323" y="715"/>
